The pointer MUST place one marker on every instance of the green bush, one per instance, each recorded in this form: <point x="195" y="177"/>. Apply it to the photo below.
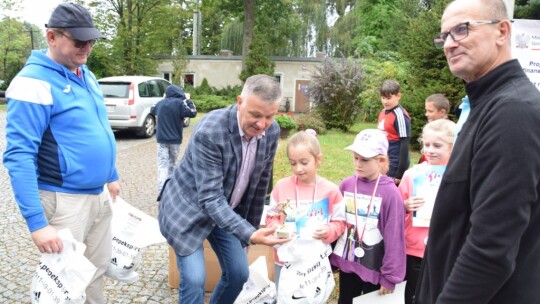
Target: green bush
<point x="204" y="88"/>
<point x="228" y="91"/>
<point x="334" y="89"/>
<point x="286" y="122"/>
<point x="311" y="120"/>
<point x="257" y="60"/>
<point x="207" y="103"/>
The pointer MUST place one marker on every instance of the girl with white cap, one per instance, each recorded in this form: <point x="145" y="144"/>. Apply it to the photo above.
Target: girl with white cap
<point x="370" y="254"/>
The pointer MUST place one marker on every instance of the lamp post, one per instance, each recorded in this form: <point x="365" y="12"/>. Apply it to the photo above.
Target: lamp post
<point x="197" y="28"/>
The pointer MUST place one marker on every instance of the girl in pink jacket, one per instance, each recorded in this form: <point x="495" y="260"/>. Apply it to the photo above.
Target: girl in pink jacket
<point x="418" y="189"/>
<point x="305" y="203"/>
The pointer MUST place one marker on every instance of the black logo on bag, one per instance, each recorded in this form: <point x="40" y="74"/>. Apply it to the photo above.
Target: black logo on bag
<point x="298" y="297"/>
<point x="113" y="261"/>
<point x="37" y="294"/>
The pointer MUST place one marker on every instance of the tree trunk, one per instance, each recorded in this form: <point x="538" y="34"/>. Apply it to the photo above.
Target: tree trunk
<point x="249" y="22"/>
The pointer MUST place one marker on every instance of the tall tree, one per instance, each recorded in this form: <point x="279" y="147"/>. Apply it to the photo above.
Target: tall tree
<point x="249" y="23"/>
<point x="139" y="29"/>
<point x="232" y="38"/>
<point x="257" y="60"/>
<point x="527" y="9"/>
<point x="14" y="47"/>
<point x="429" y="72"/>
<point x="314" y="13"/>
<point x="214" y="18"/>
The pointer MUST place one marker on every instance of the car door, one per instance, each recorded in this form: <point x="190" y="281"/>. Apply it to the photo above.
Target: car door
<point x="149" y="95"/>
<point x="163" y="85"/>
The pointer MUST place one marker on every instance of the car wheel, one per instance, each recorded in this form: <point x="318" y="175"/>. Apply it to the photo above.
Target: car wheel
<point x="185" y="122"/>
<point x="148" y="128"/>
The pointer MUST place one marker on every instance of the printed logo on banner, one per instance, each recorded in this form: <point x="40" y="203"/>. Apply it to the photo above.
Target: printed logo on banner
<point x="526" y="47"/>
<point x="522" y="40"/>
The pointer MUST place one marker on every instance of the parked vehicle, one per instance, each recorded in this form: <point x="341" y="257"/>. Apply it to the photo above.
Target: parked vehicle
<point x="129" y="99"/>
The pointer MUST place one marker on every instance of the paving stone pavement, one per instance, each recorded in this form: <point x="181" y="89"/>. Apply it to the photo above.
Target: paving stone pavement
<point x="136" y="163"/>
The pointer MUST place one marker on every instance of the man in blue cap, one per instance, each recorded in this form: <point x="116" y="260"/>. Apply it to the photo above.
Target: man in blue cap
<point x="61" y="151"/>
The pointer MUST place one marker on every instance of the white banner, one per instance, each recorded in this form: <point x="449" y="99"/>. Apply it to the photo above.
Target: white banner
<point x="526" y="47"/>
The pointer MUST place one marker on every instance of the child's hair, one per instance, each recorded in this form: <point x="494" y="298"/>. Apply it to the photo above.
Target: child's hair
<point x="443" y="127"/>
<point x="440" y="102"/>
<point x="389" y="87"/>
<point x="308" y="139"/>
<point x="385" y="165"/>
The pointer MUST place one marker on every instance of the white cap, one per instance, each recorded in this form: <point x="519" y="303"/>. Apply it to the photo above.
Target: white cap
<point x="370" y="143"/>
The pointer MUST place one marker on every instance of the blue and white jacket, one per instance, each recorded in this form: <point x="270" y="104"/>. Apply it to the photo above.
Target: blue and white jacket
<point x="58" y="135"/>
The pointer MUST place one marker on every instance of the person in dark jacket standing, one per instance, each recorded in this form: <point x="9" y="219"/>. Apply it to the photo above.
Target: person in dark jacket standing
<point x="170" y="113"/>
<point x="483" y="244"/>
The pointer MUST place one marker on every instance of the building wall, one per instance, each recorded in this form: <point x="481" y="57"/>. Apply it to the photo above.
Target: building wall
<point x="221" y="71"/>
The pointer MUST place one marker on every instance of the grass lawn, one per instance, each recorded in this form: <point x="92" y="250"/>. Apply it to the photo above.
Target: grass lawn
<point x="337" y="163"/>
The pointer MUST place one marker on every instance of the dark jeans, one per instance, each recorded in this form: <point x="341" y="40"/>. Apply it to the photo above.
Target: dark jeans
<point x="351" y="286"/>
<point x="413" y="269"/>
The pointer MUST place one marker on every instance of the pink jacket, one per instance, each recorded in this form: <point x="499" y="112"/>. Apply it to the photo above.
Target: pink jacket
<point x="415" y="237"/>
<point x="286" y="189"/>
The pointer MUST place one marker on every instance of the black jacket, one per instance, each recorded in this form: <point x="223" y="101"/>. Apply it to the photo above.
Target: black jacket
<point x="170" y="111"/>
<point x="484" y="239"/>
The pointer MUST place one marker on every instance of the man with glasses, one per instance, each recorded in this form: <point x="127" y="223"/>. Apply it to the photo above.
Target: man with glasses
<point x="484" y="244"/>
<point x="61" y="151"/>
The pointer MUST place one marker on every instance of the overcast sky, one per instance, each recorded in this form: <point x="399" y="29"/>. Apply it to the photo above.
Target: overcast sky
<point x="34" y="11"/>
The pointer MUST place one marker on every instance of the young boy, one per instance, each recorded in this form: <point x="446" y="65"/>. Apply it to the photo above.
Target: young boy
<point x="396" y="123"/>
<point x="437" y="107"/>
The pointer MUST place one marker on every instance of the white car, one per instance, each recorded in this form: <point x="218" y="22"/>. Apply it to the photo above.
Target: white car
<point x="129" y="99"/>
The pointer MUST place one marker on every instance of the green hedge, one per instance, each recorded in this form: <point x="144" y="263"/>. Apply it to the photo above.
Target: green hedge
<point x="207" y="103"/>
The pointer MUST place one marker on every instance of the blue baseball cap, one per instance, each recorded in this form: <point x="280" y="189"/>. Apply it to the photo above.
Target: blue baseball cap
<point x="75" y="19"/>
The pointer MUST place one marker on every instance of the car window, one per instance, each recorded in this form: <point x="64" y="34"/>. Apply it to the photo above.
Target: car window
<point x="115" y="89"/>
<point x="163" y="85"/>
<point x="143" y="89"/>
<point x="153" y="89"/>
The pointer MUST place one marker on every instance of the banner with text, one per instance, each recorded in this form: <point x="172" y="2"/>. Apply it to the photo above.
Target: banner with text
<point x="526" y="47"/>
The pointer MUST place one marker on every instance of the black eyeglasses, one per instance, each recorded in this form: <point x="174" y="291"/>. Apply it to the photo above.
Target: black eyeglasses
<point x="459" y="32"/>
<point x="78" y="43"/>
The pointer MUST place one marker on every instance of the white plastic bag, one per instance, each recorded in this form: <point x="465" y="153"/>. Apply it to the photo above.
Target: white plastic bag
<point x="258" y="289"/>
<point x="62" y="277"/>
<point x="132" y="230"/>
<point x="306" y="276"/>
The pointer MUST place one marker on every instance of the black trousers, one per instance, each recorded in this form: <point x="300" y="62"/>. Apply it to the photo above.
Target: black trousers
<point x="413" y="270"/>
<point x="351" y="286"/>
